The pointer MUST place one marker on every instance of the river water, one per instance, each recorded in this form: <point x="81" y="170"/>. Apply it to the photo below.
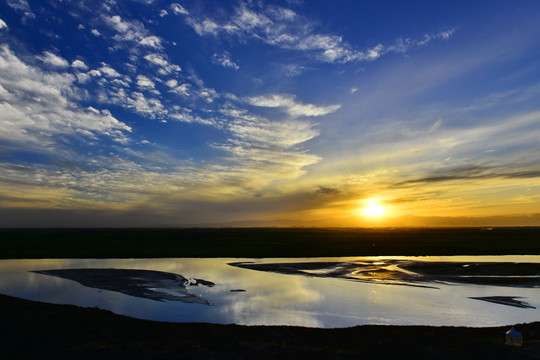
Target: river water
<point x="287" y="292"/>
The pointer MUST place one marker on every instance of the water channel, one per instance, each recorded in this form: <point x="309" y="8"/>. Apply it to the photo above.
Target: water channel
<point x="315" y="292"/>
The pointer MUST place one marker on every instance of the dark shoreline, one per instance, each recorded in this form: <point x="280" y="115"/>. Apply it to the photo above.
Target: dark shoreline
<point x="34" y="330"/>
<point x="266" y="242"/>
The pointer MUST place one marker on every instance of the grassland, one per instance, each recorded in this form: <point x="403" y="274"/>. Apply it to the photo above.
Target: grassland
<point x="265" y="242"/>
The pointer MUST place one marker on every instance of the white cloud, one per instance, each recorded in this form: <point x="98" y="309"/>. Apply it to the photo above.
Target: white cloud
<point x="159" y="60"/>
<point x="171" y="83"/>
<point x="78" y="64"/>
<point x="273" y="134"/>
<point x="181" y="89"/>
<point x="131" y="31"/>
<point x="36" y="106"/>
<point x="53" y="60"/>
<point x="109" y="71"/>
<point x="144" y="82"/>
<point x="205" y="27"/>
<point x="150" y="107"/>
<point x="292" y="107"/>
<point x="120" y="83"/>
<point x="178" y="9"/>
<point x="275" y="26"/>
<point x="95" y="32"/>
<point x="225" y="61"/>
<point x="156" y="59"/>
<point x="83" y="78"/>
<point x="151" y="41"/>
<point x="117" y="23"/>
<point x="163" y="13"/>
<point x="95" y="73"/>
<point x="3" y="25"/>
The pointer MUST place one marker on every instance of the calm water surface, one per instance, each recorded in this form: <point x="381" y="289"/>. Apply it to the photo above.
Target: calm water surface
<point x="251" y="297"/>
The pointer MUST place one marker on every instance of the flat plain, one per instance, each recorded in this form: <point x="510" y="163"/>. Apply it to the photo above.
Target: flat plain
<point x="67" y="332"/>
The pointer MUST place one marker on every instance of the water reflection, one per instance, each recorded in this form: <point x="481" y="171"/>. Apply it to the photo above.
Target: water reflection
<point x="273" y="298"/>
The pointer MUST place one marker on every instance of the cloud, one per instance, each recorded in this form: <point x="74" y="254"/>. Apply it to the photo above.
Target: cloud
<point x="180" y="89"/>
<point x="292" y="107"/>
<point x="132" y="32"/>
<point x="471" y="173"/>
<point x="36" y="106"/>
<point x="178" y="9"/>
<point x="108" y="71"/>
<point x="225" y="61"/>
<point x="23" y="7"/>
<point x="151" y="41"/>
<point x="144" y="82"/>
<point x="274" y="26"/>
<point x="162" y="63"/>
<point x="53" y="60"/>
<point x="264" y="150"/>
<point x="3" y="25"/>
<point x="79" y="64"/>
<point x="151" y="107"/>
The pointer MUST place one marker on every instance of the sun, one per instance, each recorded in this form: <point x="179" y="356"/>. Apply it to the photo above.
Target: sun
<point x="373" y="209"/>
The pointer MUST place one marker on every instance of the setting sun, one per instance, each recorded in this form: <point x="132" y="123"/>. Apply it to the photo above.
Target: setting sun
<point x="373" y="209"/>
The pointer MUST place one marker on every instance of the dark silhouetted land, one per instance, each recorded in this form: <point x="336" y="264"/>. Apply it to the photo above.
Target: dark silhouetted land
<point x="266" y="242"/>
<point x="32" y="330"/>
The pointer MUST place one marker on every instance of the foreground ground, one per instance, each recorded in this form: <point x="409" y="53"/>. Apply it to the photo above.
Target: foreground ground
<point x="33" y="330"/>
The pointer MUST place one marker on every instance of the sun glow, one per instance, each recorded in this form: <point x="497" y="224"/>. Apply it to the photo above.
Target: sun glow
<point x="373" y="209"/>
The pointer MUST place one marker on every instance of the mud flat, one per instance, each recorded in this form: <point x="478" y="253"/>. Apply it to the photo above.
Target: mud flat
<point x="147" y="284"/>
<point x="411" y="272"/>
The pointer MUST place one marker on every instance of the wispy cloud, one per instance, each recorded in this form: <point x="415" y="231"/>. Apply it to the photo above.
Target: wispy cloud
<point x="178" y="9"/>
<point x="22" y="7"/>
<point x="129" y="32"/>
<point x="283" y="28"/>
<point x="225" y="60"/>
<point x="53" y="60"/>
<point x="162" y="63"/>
<point x="291" y="106"/>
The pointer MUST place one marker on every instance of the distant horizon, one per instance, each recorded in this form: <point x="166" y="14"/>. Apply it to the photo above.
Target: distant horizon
<point x="285" y="113"/>
<point x="403" y="222"/>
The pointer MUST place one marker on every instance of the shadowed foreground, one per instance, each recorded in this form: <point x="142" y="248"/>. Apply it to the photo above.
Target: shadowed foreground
<point x="33" y="330"/>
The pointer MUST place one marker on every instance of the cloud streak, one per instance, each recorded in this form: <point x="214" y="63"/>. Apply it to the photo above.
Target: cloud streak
<point x="283" y="28"/>
<point x="291" y="106"/>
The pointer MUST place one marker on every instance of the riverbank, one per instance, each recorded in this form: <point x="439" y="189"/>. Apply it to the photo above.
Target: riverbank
<point x="34" y="330"/>
<point x="266" y="242"/>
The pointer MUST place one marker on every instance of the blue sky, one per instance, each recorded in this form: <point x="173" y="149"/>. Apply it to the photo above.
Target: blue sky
<point x="143" y="112"/>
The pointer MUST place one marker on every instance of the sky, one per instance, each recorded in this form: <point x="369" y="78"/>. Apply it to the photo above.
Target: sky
<point x="269" y="113"/>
